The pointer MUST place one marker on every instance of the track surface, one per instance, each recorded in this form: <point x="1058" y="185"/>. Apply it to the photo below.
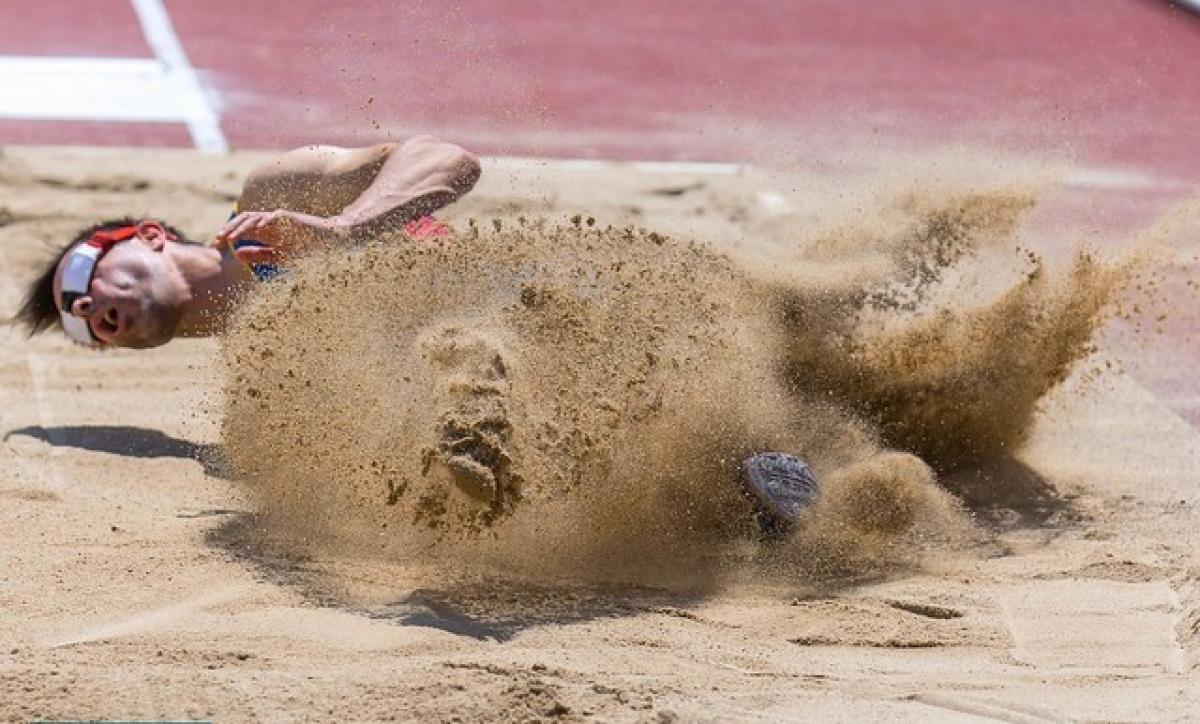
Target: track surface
<point x="1110" y="83"/>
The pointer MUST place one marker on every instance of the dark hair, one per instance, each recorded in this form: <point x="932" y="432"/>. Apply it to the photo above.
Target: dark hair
<point x="38" y="311"/>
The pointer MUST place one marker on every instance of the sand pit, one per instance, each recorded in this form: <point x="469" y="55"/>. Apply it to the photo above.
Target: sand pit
<point x="488" y="477"/>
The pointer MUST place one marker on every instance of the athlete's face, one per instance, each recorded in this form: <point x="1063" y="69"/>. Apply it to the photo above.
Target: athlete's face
<point x="134" y="300"/>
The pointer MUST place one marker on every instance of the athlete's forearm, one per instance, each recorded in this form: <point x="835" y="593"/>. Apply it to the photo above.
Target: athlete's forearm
<point x="418" y="178"/>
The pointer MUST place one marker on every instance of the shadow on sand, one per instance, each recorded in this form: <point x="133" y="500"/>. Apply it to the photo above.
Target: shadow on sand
<point x="1006" y="494"/>
<point x="492" y="608"/>
<point x="128" y="441"/>
<point x="1003" y="495"/>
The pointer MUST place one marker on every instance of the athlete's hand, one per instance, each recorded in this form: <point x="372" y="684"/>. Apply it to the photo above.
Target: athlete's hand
<point x="281" y="233"/>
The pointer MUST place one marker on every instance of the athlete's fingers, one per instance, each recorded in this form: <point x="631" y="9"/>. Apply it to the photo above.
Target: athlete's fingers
<point x="256" y="254"/>
<point x="236" y="220"/>
<point x="245" y="223"/>
<point x="227" y="235"/>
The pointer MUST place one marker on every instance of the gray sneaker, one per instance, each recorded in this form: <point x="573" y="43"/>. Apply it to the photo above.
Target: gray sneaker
<point x="780" y="487"/>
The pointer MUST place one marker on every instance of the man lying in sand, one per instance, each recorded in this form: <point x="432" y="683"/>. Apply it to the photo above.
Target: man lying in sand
<point x="139" y="283"/>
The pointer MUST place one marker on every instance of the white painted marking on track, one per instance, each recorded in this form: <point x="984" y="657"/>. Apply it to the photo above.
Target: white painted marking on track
<point x="714" y="169"/>
<point x="86" y="89"/>
<point x="1099" y="178"/>
<point x="1107" y="179"/>
<point x="589" y="164"/>
<point x="201" y="119"/>
<point x="163" y="90"/>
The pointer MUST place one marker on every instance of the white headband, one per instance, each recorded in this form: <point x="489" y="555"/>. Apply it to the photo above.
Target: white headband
<point x="76" y="281"/>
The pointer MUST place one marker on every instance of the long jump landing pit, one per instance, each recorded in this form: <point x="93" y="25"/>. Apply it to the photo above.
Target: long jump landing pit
<point x="136" y="585"/>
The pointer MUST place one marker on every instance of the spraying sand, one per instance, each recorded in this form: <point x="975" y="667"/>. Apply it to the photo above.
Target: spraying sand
<point x="584" y="393"/>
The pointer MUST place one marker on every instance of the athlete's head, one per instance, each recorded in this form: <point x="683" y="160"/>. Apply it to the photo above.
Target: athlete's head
<point x="113" y="285"/>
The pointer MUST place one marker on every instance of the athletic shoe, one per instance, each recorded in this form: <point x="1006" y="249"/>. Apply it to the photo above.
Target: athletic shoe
<point x="780" y="487"/>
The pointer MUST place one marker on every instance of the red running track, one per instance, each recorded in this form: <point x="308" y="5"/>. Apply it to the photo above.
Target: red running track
<point x="1110" y="82"/>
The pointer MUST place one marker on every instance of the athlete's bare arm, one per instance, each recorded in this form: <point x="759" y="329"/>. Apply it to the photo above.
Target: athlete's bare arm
<point x="321" y="193"/>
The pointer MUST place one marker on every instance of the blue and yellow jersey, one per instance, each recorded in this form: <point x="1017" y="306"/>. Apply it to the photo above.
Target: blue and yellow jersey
<point x="424" y="227"/>
<point x="261" y="272"/>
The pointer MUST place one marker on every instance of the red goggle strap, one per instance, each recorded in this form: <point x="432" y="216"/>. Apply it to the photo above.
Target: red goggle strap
<point x="105" y="239"/>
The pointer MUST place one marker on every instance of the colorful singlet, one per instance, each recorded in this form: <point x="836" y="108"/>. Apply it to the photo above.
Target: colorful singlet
<point x="426" y="227"/>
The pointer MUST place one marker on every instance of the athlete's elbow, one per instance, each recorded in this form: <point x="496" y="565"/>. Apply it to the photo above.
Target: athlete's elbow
<point x="453" y="166"/>
<point x="467" y="170"/>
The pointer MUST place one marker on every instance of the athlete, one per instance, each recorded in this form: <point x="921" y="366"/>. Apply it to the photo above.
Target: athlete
<point x="140" y="283"/>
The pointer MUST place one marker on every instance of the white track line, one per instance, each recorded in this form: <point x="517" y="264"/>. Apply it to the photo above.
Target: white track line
<point x="201" y="119"/>
<point x="162" y="90"/>
<point x="1116" y="179"/>
<point x="85" y="89"/>
<point x="523" y="163"/>
<point x="1086" y="177"/>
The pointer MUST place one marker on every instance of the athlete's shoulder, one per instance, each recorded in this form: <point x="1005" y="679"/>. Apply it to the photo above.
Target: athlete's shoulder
<point x="323" y="160"/>
<point x="318" y="179"/>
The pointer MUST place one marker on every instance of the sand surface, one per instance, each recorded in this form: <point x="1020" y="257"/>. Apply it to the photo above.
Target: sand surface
<point x="137" y="582"/>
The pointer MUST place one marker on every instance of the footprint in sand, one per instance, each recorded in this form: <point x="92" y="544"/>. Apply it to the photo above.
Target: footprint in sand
<point x="473" y="430"/>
